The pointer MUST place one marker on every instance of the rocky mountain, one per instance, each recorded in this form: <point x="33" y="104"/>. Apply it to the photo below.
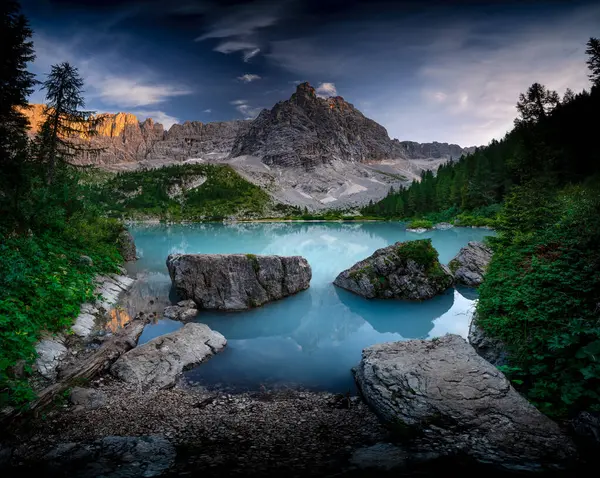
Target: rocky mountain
<point x="308" y="131"/>
<point x="122" y="138"/>
<point x="434" y="150"/>
<point x="307" y="151"/>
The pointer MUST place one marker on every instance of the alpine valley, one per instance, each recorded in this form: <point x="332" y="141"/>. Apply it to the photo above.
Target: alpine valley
<point x="307" y="151"/>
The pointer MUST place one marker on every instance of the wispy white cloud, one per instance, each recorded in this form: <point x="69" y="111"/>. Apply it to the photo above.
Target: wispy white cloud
<point x="131" y="92"/>
<point x="248" y="78"/>
<point x="325" y="90"/>
<point x="104" y="80"/>
<point x="235" y="45"/>
<point x="240" y="29"/>
<point x="158" y="117"/>
<point x="208" y="110"/>
<point x="249" y="112"/>
<point x="249" y="54"/>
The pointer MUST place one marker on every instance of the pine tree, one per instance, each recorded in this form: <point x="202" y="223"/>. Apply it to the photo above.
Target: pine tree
<point x="593" y="62"/>
<point x="536" y="104"/>
<point x="66" y="121"/>
<point x="16" y="84"/>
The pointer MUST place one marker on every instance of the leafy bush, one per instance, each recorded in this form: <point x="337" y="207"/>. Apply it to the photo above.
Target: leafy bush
<point x="541" y="296"/>
<point x="42" y="284"/>
<point x="420" y="251"/>
<point x="420" y="223"/>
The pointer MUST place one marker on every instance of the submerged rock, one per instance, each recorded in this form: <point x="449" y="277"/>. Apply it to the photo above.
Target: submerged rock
<point x="182" y="313"/>
<point x="405" y="270"/>
<point x="442" y="226"/>
<point x="416" y="230"/>
<point x="470" y="264"/>
<point x="160" y="361"/>
<point x="237" y="281"/>
<point x="127" y="246"/>
<point x="113" y="456"/>
<point x="445" y="399"/>
<point x="491" y="349"/>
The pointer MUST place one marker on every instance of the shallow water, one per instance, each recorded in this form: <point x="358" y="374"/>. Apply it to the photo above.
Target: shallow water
<point x="313" y="339"/>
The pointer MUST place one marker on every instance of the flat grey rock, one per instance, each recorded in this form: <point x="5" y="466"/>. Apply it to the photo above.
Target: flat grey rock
<point x="444" y="398"/>
<point x="160" y="361"/>
<point x="237" y="281"/>
<point x="87" y="398"/>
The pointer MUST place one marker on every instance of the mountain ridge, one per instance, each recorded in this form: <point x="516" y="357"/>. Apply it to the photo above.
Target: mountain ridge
<point x="303" y="131"/>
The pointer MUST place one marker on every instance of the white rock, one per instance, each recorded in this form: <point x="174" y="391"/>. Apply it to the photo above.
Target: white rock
<point x="50" y="353"/>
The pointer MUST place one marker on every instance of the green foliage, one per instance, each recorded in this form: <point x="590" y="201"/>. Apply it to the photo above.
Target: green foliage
<point x="541" y="297"/>
<point x="42" y="284"/>
<point x="254" y="260"/>
<point x="172" y="193"/>
<point x="420" y="223"/>
<point x="421" y="251"/>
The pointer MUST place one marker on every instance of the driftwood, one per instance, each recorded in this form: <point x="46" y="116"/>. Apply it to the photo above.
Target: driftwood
<point x="100" y="361"/>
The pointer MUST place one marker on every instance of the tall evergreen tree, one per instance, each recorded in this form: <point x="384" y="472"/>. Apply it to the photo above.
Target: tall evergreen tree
<point x="16" y="84"/>
<point x="536" y="103"/>
<point x="66" y="121"/>
<point x="593" y="62"/>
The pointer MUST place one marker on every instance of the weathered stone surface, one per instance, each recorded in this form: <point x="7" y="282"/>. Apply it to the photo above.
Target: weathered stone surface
<point x="491" y="349"/>
<point x="87" y="398"/>
<point x="182" y="313"/>
<point x="469" y="265"/>
<point x="160" y="361"/>
<point x="127" y="246"/>
<point x="114" y="457"/>
<point x="390" y="273"/>
<point x="443" y="226"/>
<point x="50" y="353"/>
<point x="237" y="281"/>
<point x="446" y="399"/>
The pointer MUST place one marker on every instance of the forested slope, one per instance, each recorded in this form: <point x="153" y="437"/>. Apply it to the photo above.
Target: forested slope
<point x="540" y="185"/>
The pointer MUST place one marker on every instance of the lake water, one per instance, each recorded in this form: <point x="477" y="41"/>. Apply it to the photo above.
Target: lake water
<point x="313" y="339"/>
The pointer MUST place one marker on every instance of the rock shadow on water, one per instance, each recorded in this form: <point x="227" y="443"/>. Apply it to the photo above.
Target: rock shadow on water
<point x="276" y="319"/>
<point x="409" y="319"/>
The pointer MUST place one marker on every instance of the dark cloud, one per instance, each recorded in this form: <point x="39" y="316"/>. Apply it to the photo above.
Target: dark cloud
<point x="427" y="70"/>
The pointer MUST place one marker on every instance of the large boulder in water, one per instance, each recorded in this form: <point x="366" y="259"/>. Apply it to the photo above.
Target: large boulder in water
<point x="470" y="264"/>
<point x="237" y="281"/>
<point x="447" y="400"/>
<point x="127" y="246"/>
<point x="160" y="361"/>
<point x="405" y="270"/>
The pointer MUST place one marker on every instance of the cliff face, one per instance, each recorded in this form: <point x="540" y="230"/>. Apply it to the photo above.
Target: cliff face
<point x="192" y="139"/>
<point x="308" y="131"/>
<point x="305" y="131"/>
<point x="434" y="150"/>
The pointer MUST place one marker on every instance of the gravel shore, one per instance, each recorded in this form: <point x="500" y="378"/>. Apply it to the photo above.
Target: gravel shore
<point x="291" y="433"/>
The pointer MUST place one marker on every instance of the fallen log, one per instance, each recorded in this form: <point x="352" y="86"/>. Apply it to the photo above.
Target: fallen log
<point x="122" y="341"/>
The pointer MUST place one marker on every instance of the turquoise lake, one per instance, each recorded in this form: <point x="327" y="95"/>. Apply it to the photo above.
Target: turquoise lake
<point x="313" y="339"/>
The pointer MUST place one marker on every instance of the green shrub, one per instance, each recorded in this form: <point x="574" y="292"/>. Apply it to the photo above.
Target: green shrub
<point x="420" y="223"/>
<point x="420" y="251"/>
<point x="541" y="295"/>
<point x="42" y="284"/>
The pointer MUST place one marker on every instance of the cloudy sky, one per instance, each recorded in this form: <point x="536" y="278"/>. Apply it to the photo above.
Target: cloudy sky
<point x="427" y="70"/>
